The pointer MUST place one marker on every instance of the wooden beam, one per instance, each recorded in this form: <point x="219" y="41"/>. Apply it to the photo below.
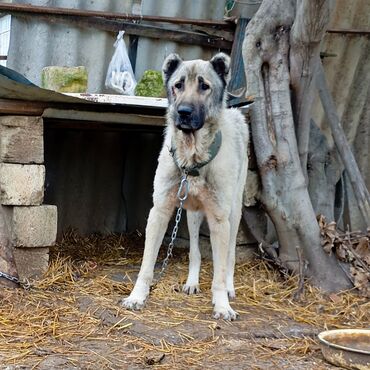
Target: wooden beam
<point x="25" y="107"/>
<point x="200" y="38"/>
<point x="17" y="107"/>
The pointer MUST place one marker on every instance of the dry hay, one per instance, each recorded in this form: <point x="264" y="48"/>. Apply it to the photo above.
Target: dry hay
<point x="72" y="315"/>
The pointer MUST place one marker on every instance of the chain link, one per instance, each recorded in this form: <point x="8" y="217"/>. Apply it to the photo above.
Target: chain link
<point x="182" y="195"/>
<point x="11" y="278"/>
<point x="25" y="284"/>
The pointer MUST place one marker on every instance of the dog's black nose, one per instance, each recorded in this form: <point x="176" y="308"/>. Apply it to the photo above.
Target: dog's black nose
<point x="184" y="110"/>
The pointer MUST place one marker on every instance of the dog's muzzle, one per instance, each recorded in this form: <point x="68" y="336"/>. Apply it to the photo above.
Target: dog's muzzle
<point x="188" y="119"/>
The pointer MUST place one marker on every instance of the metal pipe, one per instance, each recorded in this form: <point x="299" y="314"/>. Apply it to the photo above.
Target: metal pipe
<point x="25" y="8"/>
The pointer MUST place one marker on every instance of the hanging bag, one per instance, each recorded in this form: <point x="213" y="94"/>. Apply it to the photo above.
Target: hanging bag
<point x="120" y="76"/>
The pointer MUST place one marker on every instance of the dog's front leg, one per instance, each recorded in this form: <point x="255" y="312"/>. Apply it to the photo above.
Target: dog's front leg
<point x="194" y="219"/>
<point x="156" y="227"/>
<point x="220" y="238"/>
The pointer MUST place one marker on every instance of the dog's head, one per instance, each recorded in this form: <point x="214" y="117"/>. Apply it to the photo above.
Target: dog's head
<point x="196" y="90"/>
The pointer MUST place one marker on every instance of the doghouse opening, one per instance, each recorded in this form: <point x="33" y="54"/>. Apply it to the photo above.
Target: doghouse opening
<point x="100" y="179"/>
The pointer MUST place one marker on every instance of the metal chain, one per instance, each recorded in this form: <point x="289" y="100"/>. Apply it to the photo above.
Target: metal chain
<point x="11" y="278"/>
<point x="182" y="195"/>
<point x="25" y="284"/>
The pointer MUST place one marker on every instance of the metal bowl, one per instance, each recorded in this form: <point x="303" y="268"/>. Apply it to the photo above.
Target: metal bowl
<point x="349" y="348"/>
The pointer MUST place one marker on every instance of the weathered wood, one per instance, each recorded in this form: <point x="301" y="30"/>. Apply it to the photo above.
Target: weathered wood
<point x="21" y="185"/>
<point x="8" y="106"/>
<point x="203" y="37"/>
<point x="36" y="108"/>
<point x="21" y="139"/>
<point x="307" y="32"/>
<point x="143" y="101"/>
<point x="358" y="184"/>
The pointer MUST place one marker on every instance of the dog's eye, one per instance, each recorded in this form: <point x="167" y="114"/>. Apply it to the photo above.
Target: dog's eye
<point x="178" y="85"/>
<point x="204" y="86"/>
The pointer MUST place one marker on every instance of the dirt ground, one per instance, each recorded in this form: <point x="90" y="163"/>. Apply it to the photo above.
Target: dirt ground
<point x="72" y="320"/>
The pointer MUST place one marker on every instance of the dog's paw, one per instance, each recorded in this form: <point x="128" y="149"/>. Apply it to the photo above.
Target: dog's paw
<point x="133" y="303"/>
<point x="191" y="289"/>
<point x="226" y="313"/>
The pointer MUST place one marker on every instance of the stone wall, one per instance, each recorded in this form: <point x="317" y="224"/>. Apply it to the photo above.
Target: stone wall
<point x="32" y="225"/>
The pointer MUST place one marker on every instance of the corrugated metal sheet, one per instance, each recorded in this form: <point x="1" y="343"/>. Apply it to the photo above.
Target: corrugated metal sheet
<point x="151" y="53"/>
<point x="35" y="44"/>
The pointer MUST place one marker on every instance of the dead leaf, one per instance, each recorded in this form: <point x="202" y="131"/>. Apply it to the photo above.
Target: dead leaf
<point x="361" y="281"/>
<point x="363" y="250"/>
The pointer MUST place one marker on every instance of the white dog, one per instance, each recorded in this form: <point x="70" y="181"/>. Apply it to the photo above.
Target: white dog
<point x="208" y="142"/>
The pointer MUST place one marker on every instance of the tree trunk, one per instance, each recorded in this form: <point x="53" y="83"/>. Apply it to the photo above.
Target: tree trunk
<point x="284" y="192"/>
<point x="311" y="21"/>
<point x="325" y="170"/>
<point x="7" y="264"/>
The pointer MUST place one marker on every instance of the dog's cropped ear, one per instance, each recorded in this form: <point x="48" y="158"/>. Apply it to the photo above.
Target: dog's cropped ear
<point x="170" y="65"/>
<point x="221" y="64"/>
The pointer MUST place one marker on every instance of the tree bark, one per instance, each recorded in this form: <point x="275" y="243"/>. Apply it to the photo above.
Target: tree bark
<point x="284" y="192"/>
<point x="7" y="263"/>
<point x="325" y="169"/>
<point x="311" y="21"/>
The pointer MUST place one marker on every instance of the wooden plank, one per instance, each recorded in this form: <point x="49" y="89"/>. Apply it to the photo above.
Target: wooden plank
<point x="32" y="108"/>
<point x="141" y="101"/>
<point x="103" y="117"/>
<point x="203" y="37"/>
<point x="21" y="107"/>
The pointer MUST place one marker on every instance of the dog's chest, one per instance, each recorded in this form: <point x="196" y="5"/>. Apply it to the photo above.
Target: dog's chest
<point x="199" y="194"/>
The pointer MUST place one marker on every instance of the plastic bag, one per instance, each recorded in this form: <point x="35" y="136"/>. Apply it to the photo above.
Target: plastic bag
<point x="120" y="76"/>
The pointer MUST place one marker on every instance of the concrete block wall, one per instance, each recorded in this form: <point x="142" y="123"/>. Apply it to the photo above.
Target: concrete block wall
<point x="32" y="225"/>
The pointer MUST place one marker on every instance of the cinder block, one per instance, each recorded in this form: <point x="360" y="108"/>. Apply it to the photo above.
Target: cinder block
<point x="21" y="185"/>
<point x="32" y="226"/>
<point x="21" y="139"/>
<point x="31" y="263"/>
